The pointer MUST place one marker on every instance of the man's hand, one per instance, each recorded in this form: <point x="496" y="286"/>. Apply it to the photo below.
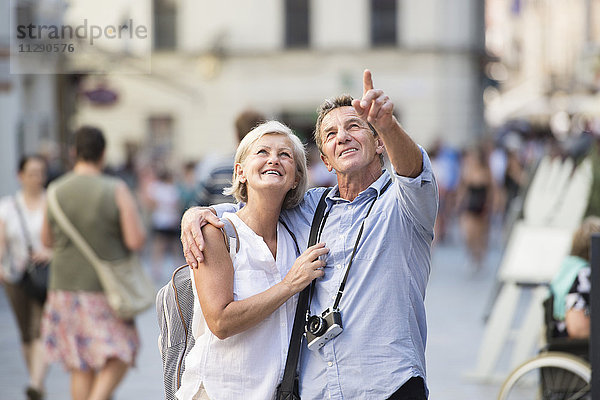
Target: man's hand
<point x="375" y="107"/>
<point x="191" y="233"/>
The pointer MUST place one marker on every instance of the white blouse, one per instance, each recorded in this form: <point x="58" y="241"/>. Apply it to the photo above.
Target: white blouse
<point x="15" y="252"/>
<point x="248" y="365"/>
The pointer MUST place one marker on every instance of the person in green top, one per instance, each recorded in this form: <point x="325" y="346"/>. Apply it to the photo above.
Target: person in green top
<point x="578" y="258"/>
<point x="79" y="328"/>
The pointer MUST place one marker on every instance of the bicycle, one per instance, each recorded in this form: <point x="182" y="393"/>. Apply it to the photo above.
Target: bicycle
<point x="554" y="374"/>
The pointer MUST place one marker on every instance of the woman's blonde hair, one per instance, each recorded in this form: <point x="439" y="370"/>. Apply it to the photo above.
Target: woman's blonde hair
<point x="239" y="190"/>
<point x="580" y="246"/>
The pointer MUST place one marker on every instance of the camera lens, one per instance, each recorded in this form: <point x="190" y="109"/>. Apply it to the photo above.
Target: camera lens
<point x="316" y="325"/>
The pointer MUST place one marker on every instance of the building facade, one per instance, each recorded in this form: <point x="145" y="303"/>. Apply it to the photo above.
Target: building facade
<point x="547" y="58"/>
<point x="212" y="60"/>
<point x="33" y="110"/>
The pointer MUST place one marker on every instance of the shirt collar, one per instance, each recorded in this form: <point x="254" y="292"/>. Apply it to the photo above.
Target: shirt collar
<point x="375" y="188"/>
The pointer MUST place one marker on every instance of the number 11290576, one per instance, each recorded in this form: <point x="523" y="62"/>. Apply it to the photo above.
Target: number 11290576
<point x="46" y="48"/>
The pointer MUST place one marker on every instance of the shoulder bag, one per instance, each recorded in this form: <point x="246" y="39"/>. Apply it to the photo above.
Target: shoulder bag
<point x="35" y="278"/>
<point x="128" y="289"/>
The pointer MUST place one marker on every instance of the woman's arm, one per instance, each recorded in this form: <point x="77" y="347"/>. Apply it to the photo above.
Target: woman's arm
<point x="578" y="324"/>
<point x="47" y="238"/>
<point x="134" y="234"/>
<point x="214" y="283"/>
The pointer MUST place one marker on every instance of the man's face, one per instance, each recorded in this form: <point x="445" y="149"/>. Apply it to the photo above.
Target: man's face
<point x="349" y="145"/>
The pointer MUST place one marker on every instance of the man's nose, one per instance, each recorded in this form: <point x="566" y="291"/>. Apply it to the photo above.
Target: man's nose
<point x="342" y="135"/>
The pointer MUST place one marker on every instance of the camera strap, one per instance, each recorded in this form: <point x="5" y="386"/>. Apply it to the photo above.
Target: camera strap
<point x="338" y="298"/>
<point x="289" y="384"/>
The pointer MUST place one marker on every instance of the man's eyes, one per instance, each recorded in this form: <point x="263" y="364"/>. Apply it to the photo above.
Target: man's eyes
<point x="351" y="127"/>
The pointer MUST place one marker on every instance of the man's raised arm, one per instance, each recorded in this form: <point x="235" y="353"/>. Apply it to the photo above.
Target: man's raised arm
<point x="377" y="109"/>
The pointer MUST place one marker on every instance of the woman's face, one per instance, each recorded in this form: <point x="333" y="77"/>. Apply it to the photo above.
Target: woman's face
<point x="269" y="165"/>
<point x="33" y="175"/>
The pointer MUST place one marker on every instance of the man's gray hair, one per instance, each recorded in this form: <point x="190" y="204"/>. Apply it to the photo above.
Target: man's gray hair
<point x="328" y="105"/>
<point x="344" y="100"/>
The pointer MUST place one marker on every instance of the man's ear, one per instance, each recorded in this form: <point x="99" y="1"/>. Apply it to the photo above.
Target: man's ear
<point x="379" y="146"/>
<point x="326" y="162"/>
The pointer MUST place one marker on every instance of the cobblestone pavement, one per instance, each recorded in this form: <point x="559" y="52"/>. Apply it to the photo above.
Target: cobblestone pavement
<point x="456" y="302"/>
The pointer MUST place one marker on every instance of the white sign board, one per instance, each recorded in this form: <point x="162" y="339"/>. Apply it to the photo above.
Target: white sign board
<point x="534" y="253"/>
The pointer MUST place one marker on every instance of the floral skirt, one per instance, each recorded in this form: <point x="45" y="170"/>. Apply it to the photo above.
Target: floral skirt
<point x="81" y="331"/>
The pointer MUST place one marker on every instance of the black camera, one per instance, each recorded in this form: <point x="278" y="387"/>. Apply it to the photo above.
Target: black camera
<point x="320" y="329"/>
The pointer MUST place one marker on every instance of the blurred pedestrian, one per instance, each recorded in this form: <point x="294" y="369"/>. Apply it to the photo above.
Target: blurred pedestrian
<point x="445" y="162"/>
<point x="514" y="178"/>
<point x="165" y="206"/>
<point x="128" y="170"/>
<point x="219" y="169"/>
<point x="50" y="152"/>
<point x="188" y="187"/>
<point x="475" y="200"/>
<point x="564" y="280"/>
<point x="21" y="217"/>
<point x="79" y="328"/>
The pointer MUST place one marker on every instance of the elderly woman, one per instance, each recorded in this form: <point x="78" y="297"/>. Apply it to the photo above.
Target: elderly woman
<point x="247" y="296"/>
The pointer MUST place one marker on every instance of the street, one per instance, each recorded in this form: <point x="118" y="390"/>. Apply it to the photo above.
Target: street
<point x="456" y="303"/>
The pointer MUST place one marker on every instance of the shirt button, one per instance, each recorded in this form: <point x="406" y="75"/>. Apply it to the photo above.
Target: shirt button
<point x="339" y="266"/>
<point x="330" y="364"/>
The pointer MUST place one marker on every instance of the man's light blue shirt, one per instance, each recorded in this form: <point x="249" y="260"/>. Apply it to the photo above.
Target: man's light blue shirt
<point x="382" y="308"/>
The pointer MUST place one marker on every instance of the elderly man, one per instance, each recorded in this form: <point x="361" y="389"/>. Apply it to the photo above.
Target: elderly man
<point x="379" y="223"/>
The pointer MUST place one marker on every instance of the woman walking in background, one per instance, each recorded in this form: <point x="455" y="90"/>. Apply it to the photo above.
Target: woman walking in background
<point x="475" y="199"/>
<point x="79" y="328"/>
<point x="21" y="219"/>
<point x="164" y="201"/>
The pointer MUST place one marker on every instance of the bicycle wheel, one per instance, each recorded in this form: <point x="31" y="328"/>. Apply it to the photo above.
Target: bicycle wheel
<point x="549" y="376"/>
